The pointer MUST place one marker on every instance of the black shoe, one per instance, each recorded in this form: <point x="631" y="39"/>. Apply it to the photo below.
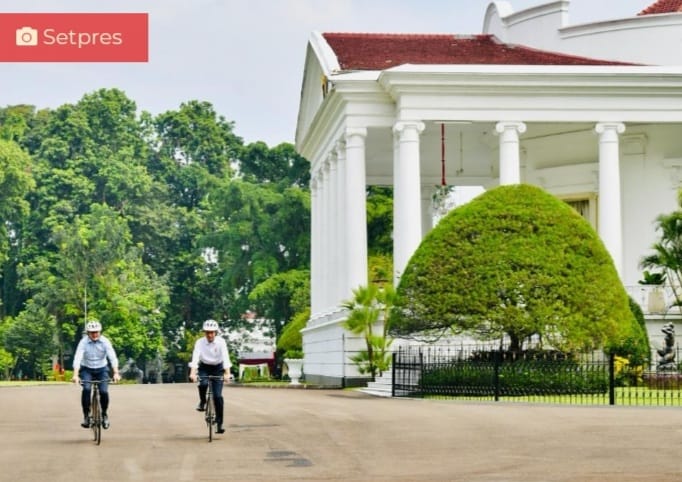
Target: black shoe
<point x="86" y="422"/>
<point x="105" y="422"/>
<point x="219" y="428"/>
<point x="201" y="407"/>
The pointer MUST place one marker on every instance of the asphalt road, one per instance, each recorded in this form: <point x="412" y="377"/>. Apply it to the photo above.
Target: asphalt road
<point x="330" y="435"/>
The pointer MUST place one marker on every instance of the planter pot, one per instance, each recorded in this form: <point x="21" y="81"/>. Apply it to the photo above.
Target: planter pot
<point x="295" y="369"/>
<point x="656" y="301"/>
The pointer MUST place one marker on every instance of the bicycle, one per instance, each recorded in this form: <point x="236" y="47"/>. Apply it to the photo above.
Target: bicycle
<point x="210" y="416"/>
<point x="95" y="411"/>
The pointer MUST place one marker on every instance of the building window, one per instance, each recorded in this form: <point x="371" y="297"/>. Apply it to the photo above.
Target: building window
<point x="585" y="204"/>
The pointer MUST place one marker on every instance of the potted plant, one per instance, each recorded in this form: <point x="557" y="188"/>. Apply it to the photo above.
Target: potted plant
<point x="294" y="361"/>
<point x="291" y="343"/>
<point x="656" y="298"/>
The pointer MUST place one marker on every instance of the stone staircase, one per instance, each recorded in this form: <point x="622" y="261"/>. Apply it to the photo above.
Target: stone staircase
<point x="381" y="386"/>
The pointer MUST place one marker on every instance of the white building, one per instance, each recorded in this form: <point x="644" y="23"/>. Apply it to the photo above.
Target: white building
<point x="592" y="113"/>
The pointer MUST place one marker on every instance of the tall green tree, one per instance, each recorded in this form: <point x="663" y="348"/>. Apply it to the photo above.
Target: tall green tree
<point x="97" y="272"/>
<point x="193" y="150"/>
<point x="16" y="181"/>
<point x="183" y="243"/>
<point x="380" y="221"/>
<point x="259" y="231"/>
<point x="29" y="340"/>
<point x="282" y="296"/>
<point x="281" y="164"/>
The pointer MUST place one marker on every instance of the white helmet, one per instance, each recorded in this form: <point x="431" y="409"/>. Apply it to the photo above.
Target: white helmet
<point x="210" y="325"/>
<point x="93" y="325"/>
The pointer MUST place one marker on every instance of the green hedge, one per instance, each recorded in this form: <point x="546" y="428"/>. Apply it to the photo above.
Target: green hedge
<point x="521" y="377"/>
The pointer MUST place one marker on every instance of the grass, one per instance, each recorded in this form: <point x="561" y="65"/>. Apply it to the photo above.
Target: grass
<point x="625" y="396"/>
<point x="29" y="383"/>
<point x="272" y="384"/>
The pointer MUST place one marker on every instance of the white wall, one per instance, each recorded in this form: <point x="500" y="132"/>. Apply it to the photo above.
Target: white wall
<point x="628" y="40"/>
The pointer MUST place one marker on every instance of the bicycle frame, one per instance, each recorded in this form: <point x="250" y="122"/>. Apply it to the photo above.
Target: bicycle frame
<point x="210" y="415"/>
<point x="95" y="410"/>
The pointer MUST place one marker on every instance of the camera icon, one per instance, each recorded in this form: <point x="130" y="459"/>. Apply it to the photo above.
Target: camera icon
<point x="27" y="37"/>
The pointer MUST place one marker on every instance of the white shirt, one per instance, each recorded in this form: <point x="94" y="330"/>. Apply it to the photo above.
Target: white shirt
<point x="212" y="353"/>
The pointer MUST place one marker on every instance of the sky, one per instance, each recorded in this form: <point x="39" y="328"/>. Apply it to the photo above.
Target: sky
<point x="245" y="57"/>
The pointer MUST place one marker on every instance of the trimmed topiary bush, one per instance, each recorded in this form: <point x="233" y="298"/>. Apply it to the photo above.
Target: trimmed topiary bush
<point x="519" y="262"/>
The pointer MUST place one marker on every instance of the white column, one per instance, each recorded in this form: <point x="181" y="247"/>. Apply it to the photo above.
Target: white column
<point x="610" y="222"/>
<point x="325" y="253"/>
<point x="356" y="214"/>
<point x="407" y="222"/>
<point x="315" y="241"/>
<point x="427" y="209"/>
<point x="510" y="165"/>
<point x="342" y="220"/>
<point x="334" y="242"/>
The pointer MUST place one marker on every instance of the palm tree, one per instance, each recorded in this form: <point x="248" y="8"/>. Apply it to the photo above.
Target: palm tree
<point x="369" y="306"/>
<point x="667" y="253"/>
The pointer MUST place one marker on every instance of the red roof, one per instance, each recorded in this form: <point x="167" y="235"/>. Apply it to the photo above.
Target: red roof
<point x="369" y="51"/>
<point x="663" y="6"/>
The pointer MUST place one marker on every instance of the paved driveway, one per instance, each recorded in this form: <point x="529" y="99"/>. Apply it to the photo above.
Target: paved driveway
<point x="330" y="435"/>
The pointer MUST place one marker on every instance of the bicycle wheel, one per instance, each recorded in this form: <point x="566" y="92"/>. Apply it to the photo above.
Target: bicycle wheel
<point x="210" y="415"/>
<point x="96" y="416"/>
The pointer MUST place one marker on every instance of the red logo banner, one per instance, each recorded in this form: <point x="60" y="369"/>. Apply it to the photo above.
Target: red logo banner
<point x="74" y="37"/>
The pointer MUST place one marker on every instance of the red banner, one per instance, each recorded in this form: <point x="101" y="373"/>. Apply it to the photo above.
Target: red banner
<point x="74" y="37"/>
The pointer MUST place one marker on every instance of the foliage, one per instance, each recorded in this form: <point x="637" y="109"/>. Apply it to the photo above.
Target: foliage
<point x="146" y="218"/>
<point x="29" y="338"/>
<point x="293" y="354"/>
<point x="15" y="181"/>
<point x="380" y="220"/>
<point x="369" y="308"/>
<point x="634" y="347"/>
<point x="6" y="363"/>
<point x="255" y="374"/>
<point x="627" y="374"/>
<point x="380" y="267"/>
<point x="96" y="272"/>
<point x="519" y="376"/>
<point x="649" y="278"/>
<point x="667" y="251"/>
<point x="291" y="340"/>
<point x="279" y="165"/>
<point x="514" y="262"/>
<point x="280" y="296"/>
<point x="258" y="231"/>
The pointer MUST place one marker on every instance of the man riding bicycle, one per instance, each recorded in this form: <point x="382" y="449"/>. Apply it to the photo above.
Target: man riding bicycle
<point x="211" y="358"/>
<point x="90" y="364"/>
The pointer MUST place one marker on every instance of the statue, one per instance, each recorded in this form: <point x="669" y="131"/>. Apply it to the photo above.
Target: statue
<point x="667" y="353"/>
<point x="131" y="372"/>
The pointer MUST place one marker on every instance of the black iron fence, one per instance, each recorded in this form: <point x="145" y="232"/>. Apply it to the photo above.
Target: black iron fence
<point x="482" y="373"/>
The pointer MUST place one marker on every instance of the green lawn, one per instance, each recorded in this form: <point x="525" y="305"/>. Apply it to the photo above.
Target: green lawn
<point x="625" y="396"/>
<point x="28" y="383"/>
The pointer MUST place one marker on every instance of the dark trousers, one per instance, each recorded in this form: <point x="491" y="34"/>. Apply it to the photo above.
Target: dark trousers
<point x="204" y="372"/>
<point x="98" y="374"/>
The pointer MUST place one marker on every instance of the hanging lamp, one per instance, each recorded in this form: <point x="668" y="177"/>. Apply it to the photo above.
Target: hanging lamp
<point x="442" y="154"/>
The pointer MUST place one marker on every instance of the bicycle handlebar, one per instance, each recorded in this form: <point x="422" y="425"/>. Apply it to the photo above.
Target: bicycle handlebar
<point x="95" y="382"/>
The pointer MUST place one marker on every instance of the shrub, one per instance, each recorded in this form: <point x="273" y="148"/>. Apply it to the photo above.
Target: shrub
<point x="532" y="373"/>
<point x="516" y="262"/>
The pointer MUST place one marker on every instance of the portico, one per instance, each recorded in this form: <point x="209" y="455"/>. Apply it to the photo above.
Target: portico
<point x="586" y="130"/>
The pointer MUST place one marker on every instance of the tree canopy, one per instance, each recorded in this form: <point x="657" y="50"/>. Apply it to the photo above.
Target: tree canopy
<point x="150" y="223"/>
<point x="515" y="262"/>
